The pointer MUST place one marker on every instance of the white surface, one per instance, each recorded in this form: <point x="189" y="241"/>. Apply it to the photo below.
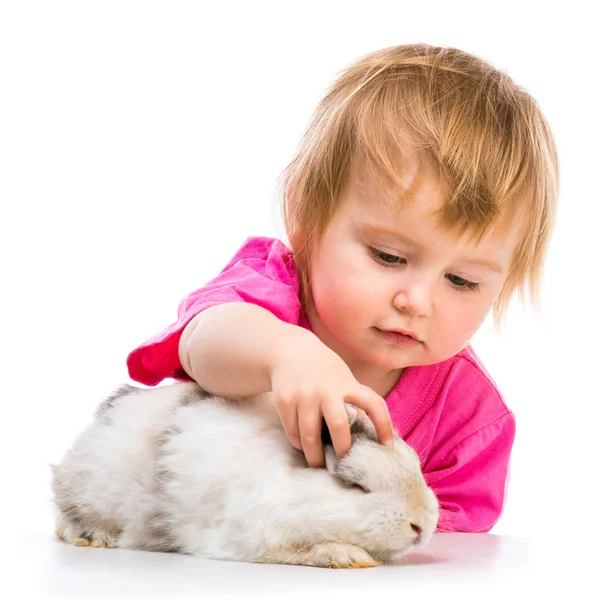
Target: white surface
<point x="452" y="565"/>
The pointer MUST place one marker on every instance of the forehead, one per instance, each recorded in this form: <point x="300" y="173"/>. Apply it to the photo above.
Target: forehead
<point x="374" y="200"/>
<point x="418" y="188"/>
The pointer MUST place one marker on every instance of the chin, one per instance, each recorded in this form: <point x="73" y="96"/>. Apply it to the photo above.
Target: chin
<point x="400" y="358"/>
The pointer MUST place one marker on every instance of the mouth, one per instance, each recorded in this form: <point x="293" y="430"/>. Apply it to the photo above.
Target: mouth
<point x="405" y="332"/>
<point x="400" y="337"/>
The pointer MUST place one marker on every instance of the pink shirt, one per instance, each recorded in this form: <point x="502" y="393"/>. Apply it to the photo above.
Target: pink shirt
<point x="451" y="413"/>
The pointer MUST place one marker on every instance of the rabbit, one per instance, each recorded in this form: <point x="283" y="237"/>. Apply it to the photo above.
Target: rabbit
<point x="177" y="469"/>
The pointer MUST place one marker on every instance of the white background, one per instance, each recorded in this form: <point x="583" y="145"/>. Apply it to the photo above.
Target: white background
<point x="140" y="144"/>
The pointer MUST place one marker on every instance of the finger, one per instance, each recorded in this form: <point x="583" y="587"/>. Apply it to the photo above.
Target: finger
<point x="309" y="423"/>
<point x="362" y="414"/>
<point x="375" y="407"/>
<point x="336" y="418"/>
<point x="288" y="413"/>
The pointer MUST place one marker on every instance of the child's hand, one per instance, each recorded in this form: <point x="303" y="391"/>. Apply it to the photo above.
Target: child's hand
<point x="311" y="382"/>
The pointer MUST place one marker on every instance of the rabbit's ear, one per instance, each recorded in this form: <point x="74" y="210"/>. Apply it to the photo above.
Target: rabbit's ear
<point x="352" y="419"/>
<point x="331" y="460"/>
<point x="352" y="413"/>
<point x="352" y="473"/>
<point x="353" y="469"/>
<point x="359" y="427"/>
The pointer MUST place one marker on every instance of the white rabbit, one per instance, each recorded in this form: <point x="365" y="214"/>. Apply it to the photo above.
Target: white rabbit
<point x="175" y="468"/>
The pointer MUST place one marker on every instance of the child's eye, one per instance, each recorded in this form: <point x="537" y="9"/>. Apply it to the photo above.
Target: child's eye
<point x="385" y="259"/>
<point x="462" y="284"/>
<point x="390" y="260"/>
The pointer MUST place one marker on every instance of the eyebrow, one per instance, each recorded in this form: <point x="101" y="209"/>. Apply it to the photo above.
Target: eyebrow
<point x="482" y="262"/>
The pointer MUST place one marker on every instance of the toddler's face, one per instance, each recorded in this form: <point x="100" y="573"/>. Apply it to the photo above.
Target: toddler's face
<point x="377" y="270"/>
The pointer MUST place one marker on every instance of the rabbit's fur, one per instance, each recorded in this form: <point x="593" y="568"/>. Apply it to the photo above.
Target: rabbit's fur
<point x="174" y="468"/>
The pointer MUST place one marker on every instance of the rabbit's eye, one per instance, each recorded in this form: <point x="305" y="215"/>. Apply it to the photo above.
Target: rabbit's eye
<point x="362" y="488"/>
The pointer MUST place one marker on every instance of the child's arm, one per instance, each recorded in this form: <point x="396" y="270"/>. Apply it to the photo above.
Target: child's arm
<point x="241" y="349"/>
<point x="229" y="349"/>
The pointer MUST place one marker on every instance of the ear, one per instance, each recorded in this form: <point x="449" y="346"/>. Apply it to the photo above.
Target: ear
<point x="331" y="460"/>
<point x="352" y="419"/>
<point x="359" y="428"/>
<point x="352" y="414"/>
<point x="351" y="469"/>
<point x="352" y="472"/>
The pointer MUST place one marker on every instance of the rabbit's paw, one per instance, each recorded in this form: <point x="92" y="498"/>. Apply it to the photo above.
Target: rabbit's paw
<point x="337" y="555"/>
<point x="103" y="540"/>
<point x="331" y="555"/>
<point x="95" y="539"/>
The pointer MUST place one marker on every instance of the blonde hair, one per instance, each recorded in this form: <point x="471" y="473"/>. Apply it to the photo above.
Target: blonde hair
<point x="485" y="136"/>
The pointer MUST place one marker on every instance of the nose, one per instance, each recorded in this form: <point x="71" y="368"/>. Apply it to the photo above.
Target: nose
<point x="415" y="297"/>
<point x="418" y="530"/>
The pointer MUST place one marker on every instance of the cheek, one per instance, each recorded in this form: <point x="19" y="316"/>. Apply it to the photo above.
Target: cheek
<point x="339" y="289"/>
<point x="460" y="321"/>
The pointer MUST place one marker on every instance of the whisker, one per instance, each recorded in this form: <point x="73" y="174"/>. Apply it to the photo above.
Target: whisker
<point x="423" y="452"/>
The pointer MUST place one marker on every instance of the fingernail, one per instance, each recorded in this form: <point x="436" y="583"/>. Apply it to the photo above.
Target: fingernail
<point x="390" y="442"/>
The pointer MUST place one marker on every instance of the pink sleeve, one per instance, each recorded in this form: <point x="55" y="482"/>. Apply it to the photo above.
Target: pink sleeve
<point x="471" y="481"/>
<point x="261" y="272"/>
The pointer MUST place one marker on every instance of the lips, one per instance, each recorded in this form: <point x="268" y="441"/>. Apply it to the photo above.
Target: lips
<point x="399" y="337"/>
<point x="404" y="332"/>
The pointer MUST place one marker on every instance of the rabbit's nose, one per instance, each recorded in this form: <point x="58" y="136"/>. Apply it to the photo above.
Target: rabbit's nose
<point x="418" y="530"/>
